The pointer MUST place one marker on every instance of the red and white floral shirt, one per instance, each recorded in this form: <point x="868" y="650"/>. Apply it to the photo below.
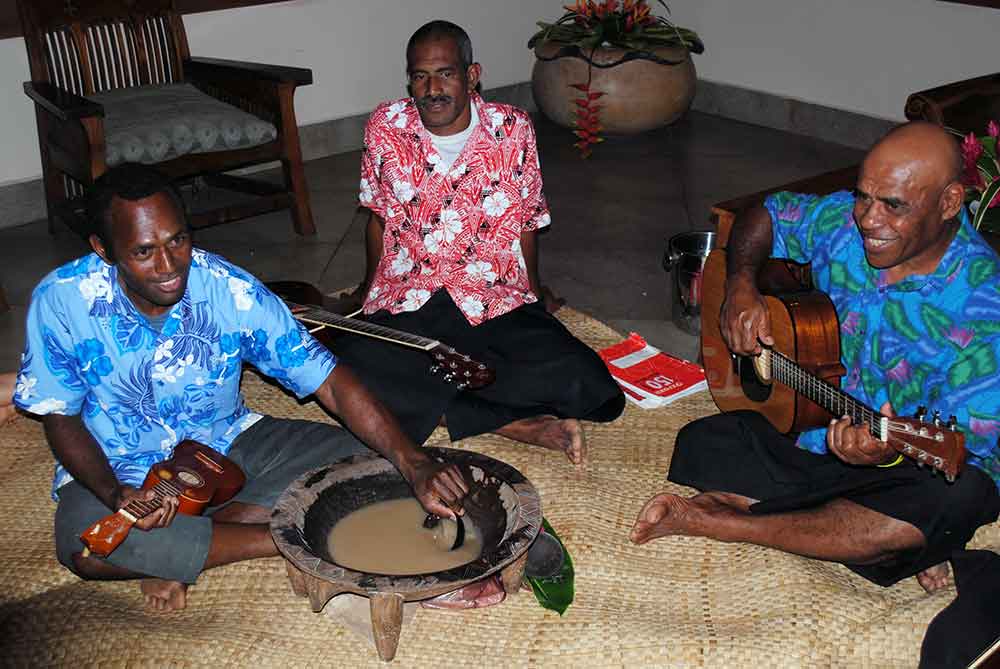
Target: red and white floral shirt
<point x="458" y="228"/>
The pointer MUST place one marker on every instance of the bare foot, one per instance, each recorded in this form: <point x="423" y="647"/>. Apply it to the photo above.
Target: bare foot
<point x="667" y="514"/>
<point x="934" y="578"/>
<point x="164" y="595"/>
<point x="8" y="414"/>
<point x="557" y="434"/>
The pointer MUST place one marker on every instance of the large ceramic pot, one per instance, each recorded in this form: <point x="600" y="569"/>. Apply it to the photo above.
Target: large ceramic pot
<point x="644" y="89"/>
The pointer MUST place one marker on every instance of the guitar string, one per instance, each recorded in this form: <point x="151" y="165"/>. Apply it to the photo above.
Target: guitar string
<point x="824" y="393"/>
<point x="334" y="320"/>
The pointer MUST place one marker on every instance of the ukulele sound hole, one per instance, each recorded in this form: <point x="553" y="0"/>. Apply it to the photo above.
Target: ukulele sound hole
<point x="189" y="478"/>
<point x="754" y="389"/>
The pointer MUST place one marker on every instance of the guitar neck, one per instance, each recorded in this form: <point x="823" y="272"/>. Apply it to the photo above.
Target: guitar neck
<point x="310" y="314"/>
<point x="833" y="399"/>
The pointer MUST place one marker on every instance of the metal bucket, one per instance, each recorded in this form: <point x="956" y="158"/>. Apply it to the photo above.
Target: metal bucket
<point x="685" y="259"/>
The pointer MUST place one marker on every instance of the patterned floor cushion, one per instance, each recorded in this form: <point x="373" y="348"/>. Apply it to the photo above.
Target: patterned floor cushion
<point x="152" y="124"/>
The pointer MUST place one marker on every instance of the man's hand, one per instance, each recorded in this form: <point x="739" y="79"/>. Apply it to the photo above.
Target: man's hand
<point x="744" y="322"/>
<point x="855" y="445"/>
<point x="162" y="517"/>
<point x="439" y="487"/>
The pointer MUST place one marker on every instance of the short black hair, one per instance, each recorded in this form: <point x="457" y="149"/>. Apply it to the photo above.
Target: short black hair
<point x="440" y="29"/>
<point x="127" y="181"/>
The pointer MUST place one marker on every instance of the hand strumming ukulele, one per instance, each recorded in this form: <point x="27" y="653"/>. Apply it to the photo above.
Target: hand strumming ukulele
<point x="805" y="362"/>
<point x="196" y="474"/>
<point x="307" y="305"/>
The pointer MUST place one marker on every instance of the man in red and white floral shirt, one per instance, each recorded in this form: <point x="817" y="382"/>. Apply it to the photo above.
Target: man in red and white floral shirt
<point x="455" y="193"/>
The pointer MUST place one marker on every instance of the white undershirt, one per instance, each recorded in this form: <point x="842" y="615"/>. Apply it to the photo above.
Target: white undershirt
<point x="449" y="147"/>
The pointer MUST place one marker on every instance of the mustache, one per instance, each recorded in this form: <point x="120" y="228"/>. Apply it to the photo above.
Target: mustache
<point x="428" y="100"/>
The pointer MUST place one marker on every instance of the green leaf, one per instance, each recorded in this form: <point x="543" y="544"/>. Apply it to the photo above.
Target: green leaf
<point x="984" y="202"/>
<point x="555" y="593"/>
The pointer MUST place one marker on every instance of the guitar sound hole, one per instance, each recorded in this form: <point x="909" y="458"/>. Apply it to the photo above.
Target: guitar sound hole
<point x="754" y="389"/>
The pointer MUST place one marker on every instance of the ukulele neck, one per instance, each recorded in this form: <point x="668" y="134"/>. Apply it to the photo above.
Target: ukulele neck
<point x="140" y="508"/>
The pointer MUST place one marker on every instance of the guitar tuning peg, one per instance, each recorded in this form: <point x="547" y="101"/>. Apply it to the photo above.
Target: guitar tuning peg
<point x="937" y="418"/>
<point x="435" y="369"/>
<point x="950" y="478"/>
<point x="462" y="386"/>
<point x="449" y="377"/>
<point x="921" y="413"/>
<point x="952" y="422"/>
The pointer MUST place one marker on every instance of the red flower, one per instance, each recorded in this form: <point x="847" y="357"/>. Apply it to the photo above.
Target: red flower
<point x="972" y="151"/>
<point x="993" y="129"/>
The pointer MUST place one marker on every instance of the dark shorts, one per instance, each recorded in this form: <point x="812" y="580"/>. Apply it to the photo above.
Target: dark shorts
<point x="741" y="452"/>
<point x="541" y="368"/>
<point x="272" y="453"/>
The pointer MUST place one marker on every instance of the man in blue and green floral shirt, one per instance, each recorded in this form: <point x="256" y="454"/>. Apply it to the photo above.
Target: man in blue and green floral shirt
<point x="916" y="291"/>
<point x="139" y="346"/>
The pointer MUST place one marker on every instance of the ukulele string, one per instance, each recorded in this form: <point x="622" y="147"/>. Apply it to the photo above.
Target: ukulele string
<point x="145" y="507"/>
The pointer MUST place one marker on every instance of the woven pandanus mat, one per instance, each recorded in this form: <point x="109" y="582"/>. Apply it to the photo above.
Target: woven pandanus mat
<point x="684" y="602"/>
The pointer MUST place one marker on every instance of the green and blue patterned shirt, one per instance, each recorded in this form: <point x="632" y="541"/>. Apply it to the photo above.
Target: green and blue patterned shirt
<point x="930" y="340"/>
<point x="142" y="389"/>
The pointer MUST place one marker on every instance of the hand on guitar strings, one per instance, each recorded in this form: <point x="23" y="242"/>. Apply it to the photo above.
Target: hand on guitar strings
<point x="855" y="445"/>
<point x="745" y="323"/>
<point x="440" y="488"/>
<point x="162" y="517"/>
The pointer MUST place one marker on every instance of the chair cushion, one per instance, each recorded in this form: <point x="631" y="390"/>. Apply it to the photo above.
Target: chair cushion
<point x="153" y="124"/>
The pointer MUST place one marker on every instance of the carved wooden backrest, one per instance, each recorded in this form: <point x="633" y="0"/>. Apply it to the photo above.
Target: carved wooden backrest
<point x="89" y="46"/>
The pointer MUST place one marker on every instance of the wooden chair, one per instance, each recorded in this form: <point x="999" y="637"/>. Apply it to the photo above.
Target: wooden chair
<point x="102" y="69"/>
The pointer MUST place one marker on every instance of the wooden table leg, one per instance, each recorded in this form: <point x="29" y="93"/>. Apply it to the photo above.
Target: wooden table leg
<point x="513" y="575"/>
<point x="387" y="622"/>
<point x="317" y="590"/>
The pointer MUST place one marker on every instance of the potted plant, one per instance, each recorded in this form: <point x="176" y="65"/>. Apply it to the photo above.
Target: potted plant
<point x="613" y="67"/>
<point x="981" y="178"/>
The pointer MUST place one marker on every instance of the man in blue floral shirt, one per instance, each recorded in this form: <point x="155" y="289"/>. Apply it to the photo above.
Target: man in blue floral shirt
<point x="918" y="299"/>
<point x="139" y="346"/>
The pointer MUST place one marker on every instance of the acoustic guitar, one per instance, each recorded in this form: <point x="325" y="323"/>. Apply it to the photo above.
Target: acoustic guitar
<point x="197" y="475"/>
<point x="310" y="306"/>
<point x="795" y="383"/>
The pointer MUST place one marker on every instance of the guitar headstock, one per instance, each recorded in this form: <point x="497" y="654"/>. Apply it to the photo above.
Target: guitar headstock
<point x="460" y="369"/>
<point x="106" y="534"/>
<point x="939" y="445"/>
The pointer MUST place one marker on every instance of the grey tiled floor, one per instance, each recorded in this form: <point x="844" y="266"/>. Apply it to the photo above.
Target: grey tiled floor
<point x="612" y="216"/>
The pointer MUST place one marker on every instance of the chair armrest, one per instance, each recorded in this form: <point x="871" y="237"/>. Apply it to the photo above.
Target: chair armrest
<point x="966" y="105"/>
<point x="61" y="103"/>
<point x="214" y="68"/>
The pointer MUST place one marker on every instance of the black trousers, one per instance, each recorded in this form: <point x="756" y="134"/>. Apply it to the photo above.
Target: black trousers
<point x="741" y="452"/>
<point x="540" y="369"/>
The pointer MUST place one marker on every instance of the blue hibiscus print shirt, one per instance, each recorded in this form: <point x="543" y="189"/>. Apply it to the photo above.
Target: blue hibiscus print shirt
<point x="930" y="340"/>
<point x="139" y="391"/>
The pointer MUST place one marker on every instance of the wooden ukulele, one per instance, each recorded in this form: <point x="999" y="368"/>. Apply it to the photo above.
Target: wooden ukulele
<point x="310" y="306"/>
<point x="805" y="363"/>
<point x="196" y="474"/>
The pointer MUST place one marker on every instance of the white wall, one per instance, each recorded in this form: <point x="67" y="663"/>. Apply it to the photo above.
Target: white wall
<point x="355" y="50"/>
<point x="851" y="54"/>
<point x="860" y="55"/>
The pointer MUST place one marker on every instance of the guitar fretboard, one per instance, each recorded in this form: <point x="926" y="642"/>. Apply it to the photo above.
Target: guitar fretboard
<point x="308" y="314"/>
<point x="833" y="399"/>
<point x="138" y="508"/>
